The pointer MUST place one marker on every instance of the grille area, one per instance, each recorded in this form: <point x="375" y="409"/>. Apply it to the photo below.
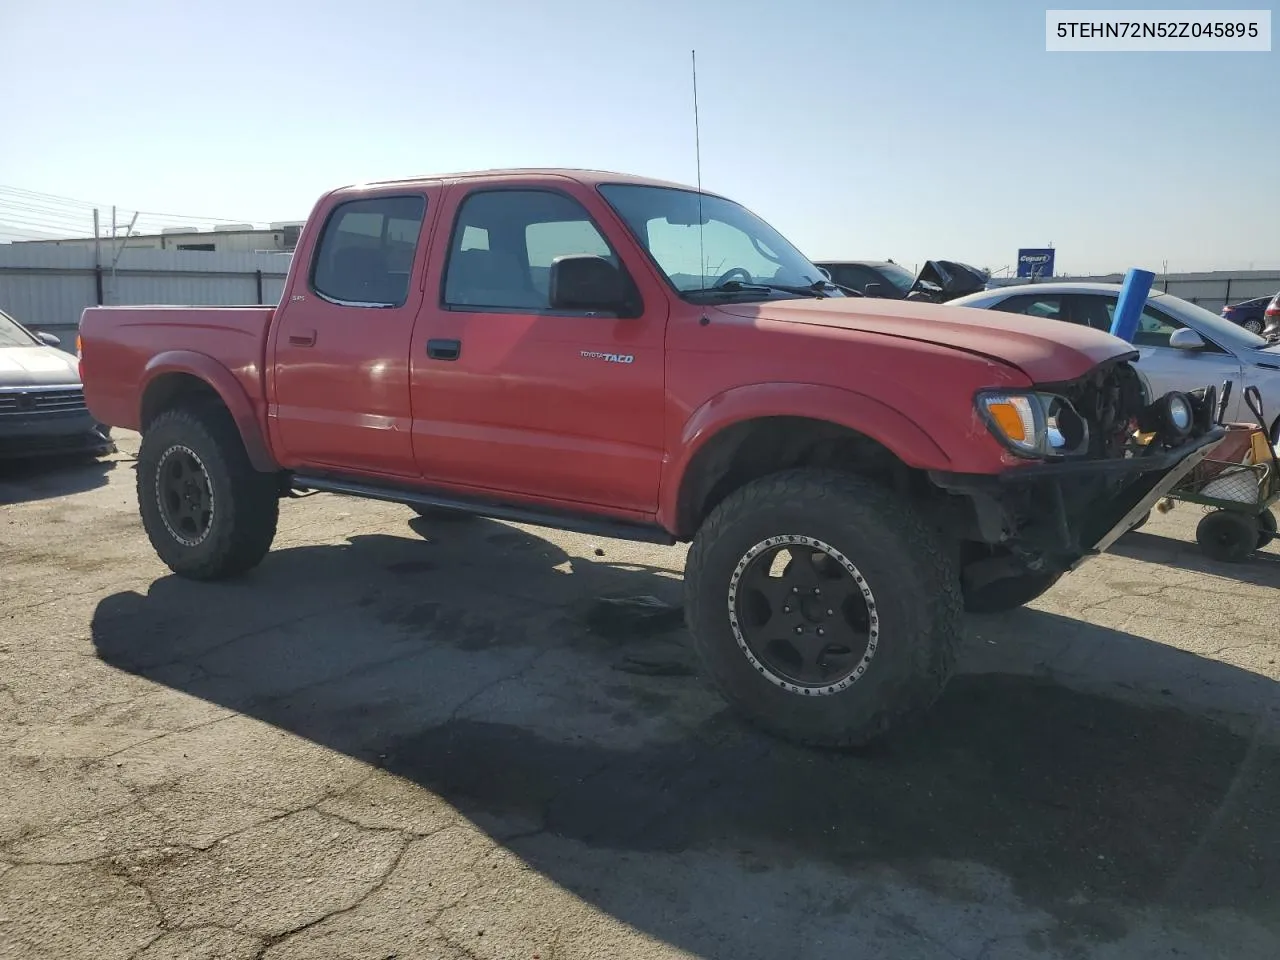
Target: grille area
<point x="33" y="400"/>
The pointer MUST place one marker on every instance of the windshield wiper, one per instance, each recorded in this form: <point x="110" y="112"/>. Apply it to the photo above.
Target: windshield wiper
<point x="817" y="289"/>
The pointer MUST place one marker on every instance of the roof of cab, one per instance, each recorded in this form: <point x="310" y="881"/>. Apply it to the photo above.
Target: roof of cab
<point x="588" y="177"/>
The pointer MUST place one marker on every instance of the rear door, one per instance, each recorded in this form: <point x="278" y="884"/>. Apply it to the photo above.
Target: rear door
<point x="340" y="345"/>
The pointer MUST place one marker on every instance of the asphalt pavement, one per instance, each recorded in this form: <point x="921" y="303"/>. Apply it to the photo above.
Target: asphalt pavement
<point x="446" y="739"/>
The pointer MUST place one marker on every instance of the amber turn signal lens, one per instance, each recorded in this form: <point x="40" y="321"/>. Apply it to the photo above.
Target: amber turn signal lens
<point x="1009" y="420"/>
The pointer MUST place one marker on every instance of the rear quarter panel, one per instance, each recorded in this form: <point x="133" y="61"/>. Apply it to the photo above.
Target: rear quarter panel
<point x="123" y="350"/>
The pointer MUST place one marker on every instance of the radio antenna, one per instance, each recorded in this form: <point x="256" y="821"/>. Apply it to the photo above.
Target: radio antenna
<point x="697" y="152"/>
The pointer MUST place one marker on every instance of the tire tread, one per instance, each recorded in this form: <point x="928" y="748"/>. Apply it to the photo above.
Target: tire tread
<point x="831" y="491"/>
<point x="251" y="497"/>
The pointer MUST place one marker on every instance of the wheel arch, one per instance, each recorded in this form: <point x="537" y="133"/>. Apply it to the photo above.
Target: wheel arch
<point x="180" y="378"/>
<point x="748" y="433"/>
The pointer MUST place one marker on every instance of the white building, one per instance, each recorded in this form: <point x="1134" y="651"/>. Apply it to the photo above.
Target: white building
<point x="279" y="237"/>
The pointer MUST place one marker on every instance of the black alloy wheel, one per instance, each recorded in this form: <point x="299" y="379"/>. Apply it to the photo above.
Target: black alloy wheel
<point x="185" y="495"/>
<point x="803" y="615"/>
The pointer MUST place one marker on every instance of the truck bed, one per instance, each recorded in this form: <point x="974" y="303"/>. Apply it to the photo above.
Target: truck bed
<point x="127" y="346"/>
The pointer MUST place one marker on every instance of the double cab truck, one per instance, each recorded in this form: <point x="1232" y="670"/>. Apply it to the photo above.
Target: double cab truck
<point x="638" y="359"/>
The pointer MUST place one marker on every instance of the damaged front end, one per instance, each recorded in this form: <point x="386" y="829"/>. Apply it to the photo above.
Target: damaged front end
<point x="1099" y="454"/>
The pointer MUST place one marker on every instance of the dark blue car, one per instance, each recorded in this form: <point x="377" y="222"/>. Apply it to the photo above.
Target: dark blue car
<point x="1248" y="313"/>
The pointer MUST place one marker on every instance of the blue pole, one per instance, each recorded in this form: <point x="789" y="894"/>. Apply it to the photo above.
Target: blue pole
<point x="1133" y="297"/>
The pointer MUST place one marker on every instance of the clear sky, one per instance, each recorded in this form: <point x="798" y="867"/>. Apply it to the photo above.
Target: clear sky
<point x="861" y="129"/>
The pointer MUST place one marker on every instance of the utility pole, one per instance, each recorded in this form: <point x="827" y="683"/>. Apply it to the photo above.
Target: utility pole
<point x="97" y="255"/>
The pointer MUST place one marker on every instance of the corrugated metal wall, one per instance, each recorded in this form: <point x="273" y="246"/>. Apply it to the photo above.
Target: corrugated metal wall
<point x="48" y="287"/>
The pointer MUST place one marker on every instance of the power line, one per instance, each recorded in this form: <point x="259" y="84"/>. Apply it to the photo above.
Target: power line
<point x="37" y="215"/>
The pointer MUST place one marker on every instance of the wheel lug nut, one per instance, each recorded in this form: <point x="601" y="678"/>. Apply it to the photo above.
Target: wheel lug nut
<point x="820" y="632"/>
<point x="795" y="589"/>
<point x="817" y="592"/>
<point x="831" y="613"/>
<point x="786" y="609"/>
<point x="799" y="629"/>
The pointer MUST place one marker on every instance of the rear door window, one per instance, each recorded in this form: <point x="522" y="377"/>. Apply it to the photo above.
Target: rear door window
<point x="1090" y="311"/>
<point x="1035" y="305"/>
<point x="366" y="253"/>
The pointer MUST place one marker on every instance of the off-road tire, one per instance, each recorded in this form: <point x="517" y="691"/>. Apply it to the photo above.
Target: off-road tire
<point x="246" y="502"/>
<point x="1009" y="593"/>
<point x="906" y="567"/>
<point x="1228" y="536"/>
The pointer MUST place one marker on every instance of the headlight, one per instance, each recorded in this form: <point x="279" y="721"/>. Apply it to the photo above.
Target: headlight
<point x="1035" y="425"/>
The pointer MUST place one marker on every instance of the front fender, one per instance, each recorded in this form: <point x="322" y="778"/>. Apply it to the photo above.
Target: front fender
<point x="229" y="389"/>
<point x="847" y="408"/>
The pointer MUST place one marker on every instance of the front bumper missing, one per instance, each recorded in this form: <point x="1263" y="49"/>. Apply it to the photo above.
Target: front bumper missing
<point x="1165" y="482"/>
<point x="1055" y="516"/>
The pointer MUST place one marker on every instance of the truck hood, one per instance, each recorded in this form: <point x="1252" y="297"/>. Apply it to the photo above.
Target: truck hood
<point x="37" y="367"/>
<point x="1047" y="351"/>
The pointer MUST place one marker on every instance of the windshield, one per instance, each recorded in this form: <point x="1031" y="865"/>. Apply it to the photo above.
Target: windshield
<point x="12" y="335"/>
<point x="733" y="244"/>
<point x="1216" y="327"/>
<point x="903" y="279"/>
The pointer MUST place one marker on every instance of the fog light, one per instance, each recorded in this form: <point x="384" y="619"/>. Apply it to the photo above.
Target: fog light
<point x="1170" y="418"/>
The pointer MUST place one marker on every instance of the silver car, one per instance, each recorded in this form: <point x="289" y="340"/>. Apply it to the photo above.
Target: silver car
<point x="42" y="408"/>
<point x="1181" y="346"/>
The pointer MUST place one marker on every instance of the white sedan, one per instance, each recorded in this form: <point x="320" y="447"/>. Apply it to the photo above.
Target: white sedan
<point x="1181" y="346"/>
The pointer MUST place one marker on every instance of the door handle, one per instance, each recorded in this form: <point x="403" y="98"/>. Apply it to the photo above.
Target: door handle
<point x="444" y="349"/>
<point x="304" y="339"/>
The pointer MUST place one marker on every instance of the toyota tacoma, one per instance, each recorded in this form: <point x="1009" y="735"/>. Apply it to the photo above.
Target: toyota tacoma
<point x="637" y="359"/>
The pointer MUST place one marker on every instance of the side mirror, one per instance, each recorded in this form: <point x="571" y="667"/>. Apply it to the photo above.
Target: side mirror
<point x="1184" y="339"/>
<point x="872" y="290"/>
<point x="586" y="282"/>
<point x="48" y="339"/>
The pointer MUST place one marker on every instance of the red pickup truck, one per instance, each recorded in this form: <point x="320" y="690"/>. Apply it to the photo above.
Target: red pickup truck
<point x="600" y="352"/>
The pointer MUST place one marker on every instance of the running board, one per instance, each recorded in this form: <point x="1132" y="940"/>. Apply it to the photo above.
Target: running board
<point x="554" y="520"/>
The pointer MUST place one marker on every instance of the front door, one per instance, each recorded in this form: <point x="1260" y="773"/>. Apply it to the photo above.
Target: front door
<point x="341" y="341"/>
<point x="511" y="396"/>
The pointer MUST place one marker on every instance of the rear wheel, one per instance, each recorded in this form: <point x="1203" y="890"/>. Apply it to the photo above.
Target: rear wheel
<point x="822" y="607"/>
<point x="1253" y="326"/>
<point x="208" y="513"/>
<point x="1228" y="536"/>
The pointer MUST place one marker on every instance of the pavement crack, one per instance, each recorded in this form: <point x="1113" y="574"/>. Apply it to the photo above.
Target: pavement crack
<point x="168" y="733"/>
<point x="508" y="678"/>
<point x="378" y="884"/>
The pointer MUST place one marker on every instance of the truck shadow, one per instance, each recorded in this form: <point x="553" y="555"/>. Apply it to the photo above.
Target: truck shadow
<point x="46" y="478"/>
<point x="386" y="649"/>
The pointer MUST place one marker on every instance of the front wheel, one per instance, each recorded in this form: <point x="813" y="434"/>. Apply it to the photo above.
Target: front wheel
<point x="208" y="513"/>
<point x="822" y="607"/>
